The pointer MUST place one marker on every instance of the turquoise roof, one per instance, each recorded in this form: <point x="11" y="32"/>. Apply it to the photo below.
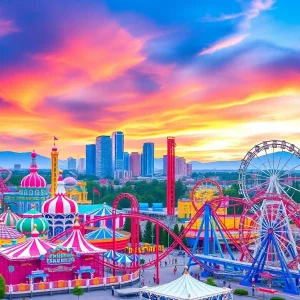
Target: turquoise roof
<point x="87" y="208"/>
<point x="103" y="233"/>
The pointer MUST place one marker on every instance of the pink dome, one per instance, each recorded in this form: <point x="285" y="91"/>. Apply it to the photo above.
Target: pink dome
<point x="33" y="180"/>
<point x="60" y="203"/>
<point x="70" y="180"/>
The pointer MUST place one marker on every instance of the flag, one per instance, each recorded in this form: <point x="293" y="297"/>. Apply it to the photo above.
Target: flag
<point x="55" y="138"/>
<point x="96" y="192"/>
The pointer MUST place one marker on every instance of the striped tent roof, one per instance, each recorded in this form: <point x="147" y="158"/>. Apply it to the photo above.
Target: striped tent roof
<point x="8" y="233"/>
<point x="33" y="247"/>
<point x="77" y="241"/>
<point x="124" y="259"/>
<point x="110" y="254"/>
<point x="104" y="210"/>
<point x="9" y="218"/>
<point x="103" y="233"/>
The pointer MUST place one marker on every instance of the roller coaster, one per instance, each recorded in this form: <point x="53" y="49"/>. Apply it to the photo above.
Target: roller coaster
<point x="268" y="231"/>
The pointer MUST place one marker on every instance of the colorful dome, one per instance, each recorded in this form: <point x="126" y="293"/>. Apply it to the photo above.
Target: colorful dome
<point x="9" y="218"/>
<point x="70" y="180"/>
<point x="60" y="203"/>
<point x="31" y="219"/>
<point x="33" y="180"/>
<point x="34" y="247"/>
<point x="104" y="210"/>
<point x="103" y="233"/>
<point x="77" y="241"/>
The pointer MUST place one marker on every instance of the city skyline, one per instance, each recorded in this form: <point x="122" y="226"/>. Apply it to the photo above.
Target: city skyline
<point x="219" y="77"/>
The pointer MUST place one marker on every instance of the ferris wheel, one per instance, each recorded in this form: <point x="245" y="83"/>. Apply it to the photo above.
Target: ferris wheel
<point x="270" y="224"/>
<point x="205" y="190"/>
<point x="270" y="167"/>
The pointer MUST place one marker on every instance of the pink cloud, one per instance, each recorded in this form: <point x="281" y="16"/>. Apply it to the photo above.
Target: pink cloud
<point x="7" y="27"/>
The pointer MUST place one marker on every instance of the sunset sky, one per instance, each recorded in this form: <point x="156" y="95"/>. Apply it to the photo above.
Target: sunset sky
<point x="220" y="76"/>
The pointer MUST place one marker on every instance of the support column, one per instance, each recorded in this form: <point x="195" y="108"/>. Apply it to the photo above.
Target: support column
<point x="157" y="254"/>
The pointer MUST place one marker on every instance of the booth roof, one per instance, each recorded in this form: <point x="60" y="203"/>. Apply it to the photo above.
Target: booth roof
<point x="9" y="218"/>
<point x="104" y="210"/>
<point x="185" y="287"/>
<point x="77" y="241"/>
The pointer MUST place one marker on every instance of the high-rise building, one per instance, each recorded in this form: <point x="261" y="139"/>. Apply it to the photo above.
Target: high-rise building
<point x="148" y="159"/>
<point x="189" y="169"/>
<point x="104" y="157"/>
<point x="118" y="150"/>
<point x="135" y="164"/>
<point x="81" y="165"/>
<point x="165" y="165"/>
<point x="90" y="157"/>
<point x="180" y="167"/>
<point x="71" y="164"/>
<point x="126" y="161"/>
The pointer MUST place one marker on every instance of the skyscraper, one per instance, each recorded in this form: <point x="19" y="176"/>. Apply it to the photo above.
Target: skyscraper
<point x="148" y="159"/>
<point x="90" y="156"/>
<point x="71" y="164"/>
<point x="118" y="150"/>
<point x="135" y="164"/>
<point x="165" y="165"/>
<point x="180" y="167"/>
<point x="126" y="161"/>
<point x="81" y="165"/>
<point x="104" y="156"/>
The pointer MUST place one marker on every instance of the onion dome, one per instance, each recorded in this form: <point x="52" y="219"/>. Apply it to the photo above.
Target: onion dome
<point x="33" y="180"/>
<point x="77" y="241"/>
<point x="70" y="180"/>
<point x="103" y="233"/>
<point x="8" y="233"/>
<point x="9" y="218"/>
<point x="31" y="219"/>
<point x="33" y="247"/>
<point x="60" y="203"/>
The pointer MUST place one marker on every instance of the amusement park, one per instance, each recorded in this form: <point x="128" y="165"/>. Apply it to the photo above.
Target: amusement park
<point x="228" y="246"/>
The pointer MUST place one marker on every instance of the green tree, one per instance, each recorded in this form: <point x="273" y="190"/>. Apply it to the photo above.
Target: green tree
<point x="211" y="281"/>
<point x="180" y="189"/>
<point x="148" y="233"/>
<point x="78" y="291"/>
<point x="2" y="287"/>
<point x="127" y="225"/>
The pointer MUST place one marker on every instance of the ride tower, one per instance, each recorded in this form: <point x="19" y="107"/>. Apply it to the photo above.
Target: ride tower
<point x="171" y="176"/>
<point x="54" y="168"/>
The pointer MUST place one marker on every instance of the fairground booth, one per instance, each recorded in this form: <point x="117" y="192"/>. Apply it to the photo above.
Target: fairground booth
<point x="37" y="260"/>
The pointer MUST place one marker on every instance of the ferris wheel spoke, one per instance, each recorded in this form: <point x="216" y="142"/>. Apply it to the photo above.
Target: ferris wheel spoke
<point x="286" y="163"/>
<point x="278" y="165"/>
<point x="267" y="155"/>
<point x="263" y="176"/>
<point x="282" y="245"/>
<point x="289" y="186"/>
<point x="259" y="185"/>
<point x="286" y="172"/>
<point x="283" y="222"/>
<point x="284" y="191"/>
<point x="263" y="164"/>
<point x="273" y="163"/>
<point x="267" y="175"/>
<point x="282" y="238"/>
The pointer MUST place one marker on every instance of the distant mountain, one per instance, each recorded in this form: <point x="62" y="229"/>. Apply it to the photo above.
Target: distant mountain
<point x="217" y="165"/>
<point x="8" y="159"/>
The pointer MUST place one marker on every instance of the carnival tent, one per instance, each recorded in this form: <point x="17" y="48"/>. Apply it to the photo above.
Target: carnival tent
<point x="185" y="288"/>
<point x="32" y="248"/>
<point x="104" y="210"/>
<point x="110" y="254"/>
<point x="77" y="241"/>
<point x="134" y="257"/>
<point x="103" y="233"/>
<point x="124" y="259"/>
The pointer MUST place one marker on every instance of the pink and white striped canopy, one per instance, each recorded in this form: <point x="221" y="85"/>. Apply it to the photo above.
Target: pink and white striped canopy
<point x="60" y="203"/>
<point x="33" y="247"/>
<point x="77" y="241"/>
<point x="9" y="218"/>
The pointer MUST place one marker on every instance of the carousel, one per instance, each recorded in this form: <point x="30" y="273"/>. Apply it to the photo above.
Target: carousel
<point x="103" y="238"/>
